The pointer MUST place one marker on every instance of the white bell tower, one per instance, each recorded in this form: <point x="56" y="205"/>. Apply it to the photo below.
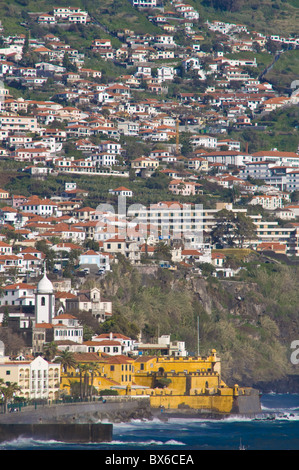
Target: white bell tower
<point x="44" y="300"/>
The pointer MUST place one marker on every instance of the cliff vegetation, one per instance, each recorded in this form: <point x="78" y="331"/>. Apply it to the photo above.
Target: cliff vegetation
<point x="251" y="320"/>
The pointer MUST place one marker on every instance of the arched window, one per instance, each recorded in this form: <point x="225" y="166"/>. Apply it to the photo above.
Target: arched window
<point x="43" y="301"/>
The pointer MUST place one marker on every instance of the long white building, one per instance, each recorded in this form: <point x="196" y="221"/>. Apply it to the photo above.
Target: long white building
<point x="37" y="379"/>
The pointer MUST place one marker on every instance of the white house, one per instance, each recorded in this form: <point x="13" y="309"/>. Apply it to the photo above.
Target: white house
<point x="5" y="248"/>
<point x="121" y="191"/>
<point x="203" y="141"/>
<point x="107" y="346"/>
<point x="67" y="326"/>
<point x="110" y="146"/>
<point x="18" y="294"/>
<point x="105" y="159"/>
<point x="165" y="73"/>
<point x="8" y="215"/>
<point x="43" y="207"/>
<point x="144" y="3"/>
<point x="127" y="344"/>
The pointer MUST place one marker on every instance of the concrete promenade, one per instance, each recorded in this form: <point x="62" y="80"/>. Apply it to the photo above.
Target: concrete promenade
<point x="112" y="410"/>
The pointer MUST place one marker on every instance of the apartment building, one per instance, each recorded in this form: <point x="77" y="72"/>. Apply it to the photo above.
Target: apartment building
<point x="228" y="157"/>
<point x="256" y="170"/>
<point x="37" y="379"/>
<point x="268" y="201"/>
<point x="272" y="232"/>
<point x="15" y="123"/>
<point x="169" y="219"/>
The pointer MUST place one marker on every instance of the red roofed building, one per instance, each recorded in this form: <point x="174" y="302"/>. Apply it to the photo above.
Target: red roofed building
<point x="121" y="191"/>
<point x="18" y="294"/>
<point x="64" y="327"/>
<point x="38" y="206"/>
<point x="126" y="342"/>
<point x="107" y="346"/>
<point x="276" y="247"/>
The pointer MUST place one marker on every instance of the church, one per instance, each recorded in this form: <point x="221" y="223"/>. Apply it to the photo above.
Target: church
<point x="47" y="327"/>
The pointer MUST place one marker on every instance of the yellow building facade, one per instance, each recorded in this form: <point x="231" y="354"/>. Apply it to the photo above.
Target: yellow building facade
<point x="172" y="383"/>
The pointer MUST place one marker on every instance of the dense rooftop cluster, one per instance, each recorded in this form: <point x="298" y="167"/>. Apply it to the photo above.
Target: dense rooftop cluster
<point x="174" y="97"/>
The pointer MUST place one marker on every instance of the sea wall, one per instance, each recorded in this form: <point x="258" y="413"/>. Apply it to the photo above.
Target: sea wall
<point x="114" y="409"/>
<point x="76" y="433"/>
<point x="216" y="403"/>
<point x="225" y="403"/>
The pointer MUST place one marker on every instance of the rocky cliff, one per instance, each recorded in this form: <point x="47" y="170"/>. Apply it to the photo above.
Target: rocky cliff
<point x="251" y="320"/>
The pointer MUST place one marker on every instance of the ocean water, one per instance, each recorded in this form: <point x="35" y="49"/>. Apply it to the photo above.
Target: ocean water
<point x="277" y="430"/>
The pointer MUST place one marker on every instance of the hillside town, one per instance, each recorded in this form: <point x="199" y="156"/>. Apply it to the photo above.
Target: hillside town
<point x="56" y="249"/>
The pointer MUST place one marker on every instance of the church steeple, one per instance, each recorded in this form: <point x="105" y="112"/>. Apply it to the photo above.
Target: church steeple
<point x="44" y="300"/>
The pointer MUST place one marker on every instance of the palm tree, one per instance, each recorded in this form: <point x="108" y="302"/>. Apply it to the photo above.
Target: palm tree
<point x="66" y="358"/>
<point x="94" y="369"/>
<point x="81" y="368"/>
<point x="8" y="390"/>
<point x="50" y="350"/>
<point x="86" y="369"/>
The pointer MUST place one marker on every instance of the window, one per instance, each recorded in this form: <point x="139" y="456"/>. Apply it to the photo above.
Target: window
<point x="43" y="301"/>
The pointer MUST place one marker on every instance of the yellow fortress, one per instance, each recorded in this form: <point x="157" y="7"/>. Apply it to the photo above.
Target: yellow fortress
<point x="180" y="384"/>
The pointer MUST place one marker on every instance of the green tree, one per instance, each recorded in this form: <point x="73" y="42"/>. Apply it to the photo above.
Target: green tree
<point x="66" y="359"/>
<point x="50" y="350"/>
<point x="162" y="251"/>
<point x="8" y="391"/>
<point x="81" y="368"/>
<point x="186" y="147"/>
<point x="66" y="62"/>
<point x="5" y="317"/>
<point x="232" y="229"/>
<point x="42" y="246"/>
<point x="26" y="44"/>
<point x="244" y="229"/>
<point x="161" y="382"/>
<point x="94" y="369"/>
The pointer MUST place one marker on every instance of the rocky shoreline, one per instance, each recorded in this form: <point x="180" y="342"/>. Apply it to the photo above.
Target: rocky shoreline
<point x="288" y="384"/>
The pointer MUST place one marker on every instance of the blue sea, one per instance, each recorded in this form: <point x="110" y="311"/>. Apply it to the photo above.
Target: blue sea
<point x="278" y="429"/>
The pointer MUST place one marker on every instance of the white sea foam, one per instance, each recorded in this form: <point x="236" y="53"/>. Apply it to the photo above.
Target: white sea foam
<point x="173" y="442"/>
<point x="23" y="442"/>
<point x="136" y="443"/>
